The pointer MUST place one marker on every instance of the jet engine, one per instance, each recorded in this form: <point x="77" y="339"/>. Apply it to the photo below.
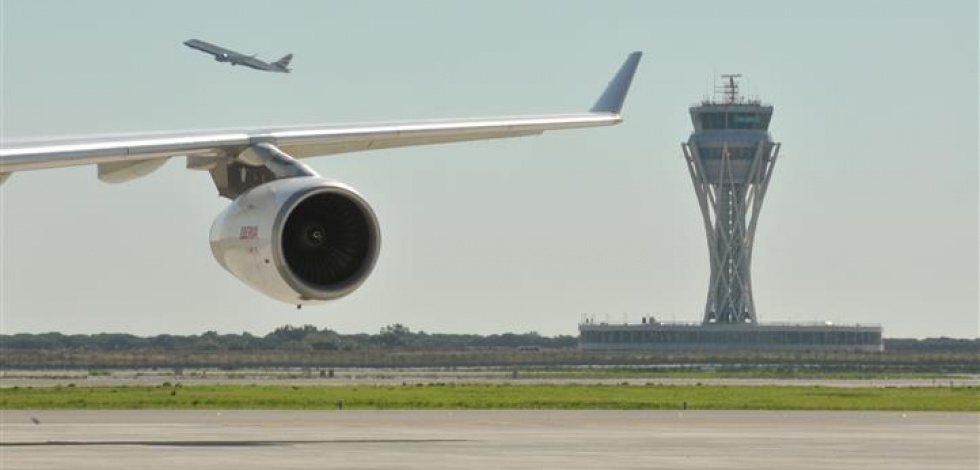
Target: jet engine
<point x="299" y="240"/>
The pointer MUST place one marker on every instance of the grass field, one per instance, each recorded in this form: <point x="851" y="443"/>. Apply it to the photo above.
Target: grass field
<point x="455" y="396"/>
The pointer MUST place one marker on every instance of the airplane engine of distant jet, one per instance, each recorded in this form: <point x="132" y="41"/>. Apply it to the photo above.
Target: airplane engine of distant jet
<point x="299" y="240"/>
<point x="221" y="57"/>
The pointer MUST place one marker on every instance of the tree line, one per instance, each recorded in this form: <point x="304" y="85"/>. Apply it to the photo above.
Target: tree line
<point x="285" y="338"/>
<point x="390" y="337"/>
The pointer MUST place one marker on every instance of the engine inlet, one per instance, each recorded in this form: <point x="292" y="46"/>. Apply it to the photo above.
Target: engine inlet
<point x="327" y="240"/>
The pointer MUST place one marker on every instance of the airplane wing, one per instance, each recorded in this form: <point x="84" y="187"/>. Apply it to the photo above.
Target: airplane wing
<point x="125" y="157"/>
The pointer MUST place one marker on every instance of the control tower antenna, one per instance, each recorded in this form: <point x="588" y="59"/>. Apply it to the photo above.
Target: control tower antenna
<point x="729" y="88"/>
<point x="730" y="156"/>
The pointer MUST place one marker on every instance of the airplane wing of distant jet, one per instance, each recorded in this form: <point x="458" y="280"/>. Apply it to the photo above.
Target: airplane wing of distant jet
<point x="235" y="58"/>
<point x="289" y="233"/>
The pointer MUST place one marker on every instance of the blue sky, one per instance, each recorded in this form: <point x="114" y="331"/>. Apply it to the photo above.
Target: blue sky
<point x="871" y="216"/>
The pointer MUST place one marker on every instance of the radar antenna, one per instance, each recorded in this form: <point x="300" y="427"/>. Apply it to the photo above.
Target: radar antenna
<point x="730" y="87"/>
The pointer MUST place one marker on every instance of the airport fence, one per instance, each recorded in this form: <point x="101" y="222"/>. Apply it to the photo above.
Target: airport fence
<point x="877" y="362"/>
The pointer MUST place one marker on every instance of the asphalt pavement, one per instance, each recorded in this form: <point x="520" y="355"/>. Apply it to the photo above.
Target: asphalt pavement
<point x="476" y="440"/>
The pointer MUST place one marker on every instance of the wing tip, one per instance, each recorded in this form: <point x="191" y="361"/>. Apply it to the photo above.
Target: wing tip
<point x="614" y="96"/>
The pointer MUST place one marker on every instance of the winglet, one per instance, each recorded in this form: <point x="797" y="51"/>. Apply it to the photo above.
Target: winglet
<point x="613" y="97"/>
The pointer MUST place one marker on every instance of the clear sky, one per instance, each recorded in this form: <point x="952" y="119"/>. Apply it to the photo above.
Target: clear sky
<point x="871" y="216"/>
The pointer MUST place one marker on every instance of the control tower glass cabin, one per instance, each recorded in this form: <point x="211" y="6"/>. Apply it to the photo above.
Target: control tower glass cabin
<point x="730" y="156"/>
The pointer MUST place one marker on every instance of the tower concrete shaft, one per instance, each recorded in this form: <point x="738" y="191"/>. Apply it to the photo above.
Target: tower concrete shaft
<point x="730" y="156"/>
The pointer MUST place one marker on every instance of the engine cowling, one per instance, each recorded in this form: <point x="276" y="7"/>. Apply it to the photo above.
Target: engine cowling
<point x="299" y="240"/>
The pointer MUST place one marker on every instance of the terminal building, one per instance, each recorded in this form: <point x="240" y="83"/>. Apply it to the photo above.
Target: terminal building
<point x="730" y="156"/>
<point x="655" y="336"/>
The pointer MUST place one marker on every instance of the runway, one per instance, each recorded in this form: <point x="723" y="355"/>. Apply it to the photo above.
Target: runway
<point x="487" y="440"/>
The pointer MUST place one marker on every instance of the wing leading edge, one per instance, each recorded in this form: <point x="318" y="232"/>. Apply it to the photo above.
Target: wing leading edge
<point x="121" y="158"/>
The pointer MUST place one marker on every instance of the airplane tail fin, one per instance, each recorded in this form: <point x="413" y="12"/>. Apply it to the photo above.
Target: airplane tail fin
<point x="284" y="61"/>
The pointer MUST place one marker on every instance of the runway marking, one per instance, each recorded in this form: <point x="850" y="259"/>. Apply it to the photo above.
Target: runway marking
<point x="227" y="443"/>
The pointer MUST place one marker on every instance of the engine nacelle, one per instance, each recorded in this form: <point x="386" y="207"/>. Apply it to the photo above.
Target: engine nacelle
<point x="299" y="240"/>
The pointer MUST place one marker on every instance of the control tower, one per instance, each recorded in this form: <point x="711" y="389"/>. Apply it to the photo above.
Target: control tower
<point x="730" y="156"/>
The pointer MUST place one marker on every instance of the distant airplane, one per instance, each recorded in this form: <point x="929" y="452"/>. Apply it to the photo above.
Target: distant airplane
<point x="234" y="58"/>
<point x="289" y="233"/>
